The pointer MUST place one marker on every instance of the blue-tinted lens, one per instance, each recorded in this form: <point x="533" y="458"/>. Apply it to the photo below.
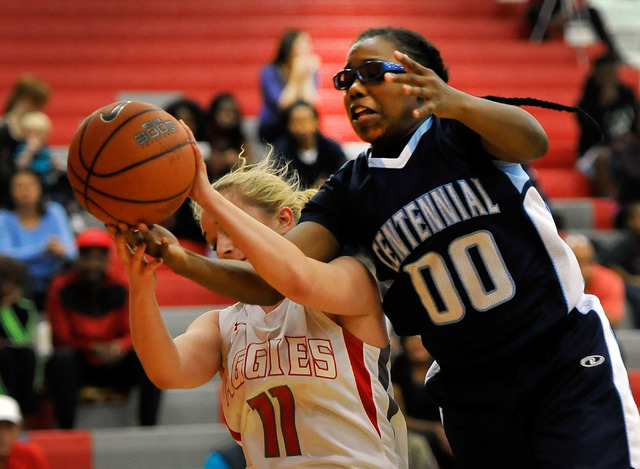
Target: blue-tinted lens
<point x="366" y="72"/>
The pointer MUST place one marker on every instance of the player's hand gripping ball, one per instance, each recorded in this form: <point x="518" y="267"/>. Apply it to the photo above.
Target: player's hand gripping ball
<point x="131" y="162"/>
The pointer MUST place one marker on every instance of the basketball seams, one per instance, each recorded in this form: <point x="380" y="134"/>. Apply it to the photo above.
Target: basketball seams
<point x="148" y="190"/>
<point x="141" y="201"/>
<point x="131" y="201"/>
<point x="141" y="162"/>
<point x="110" y="136"/>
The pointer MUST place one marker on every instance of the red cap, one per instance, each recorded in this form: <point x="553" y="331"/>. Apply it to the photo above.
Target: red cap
<point x="94" y="238"/>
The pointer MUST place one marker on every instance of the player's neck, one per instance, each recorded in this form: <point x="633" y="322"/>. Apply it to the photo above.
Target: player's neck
<point x="393" y="147"/>
<point x="266" y="309"/>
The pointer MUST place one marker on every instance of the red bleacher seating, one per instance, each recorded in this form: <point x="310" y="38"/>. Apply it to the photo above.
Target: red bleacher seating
<point x="65" y="449"/>
<point x="634" y="381"/>
<point x="90" y="52"/>
<point x="563" y="183"/>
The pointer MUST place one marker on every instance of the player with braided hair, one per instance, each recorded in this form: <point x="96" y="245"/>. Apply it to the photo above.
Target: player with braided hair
<point x="528" y="373"/>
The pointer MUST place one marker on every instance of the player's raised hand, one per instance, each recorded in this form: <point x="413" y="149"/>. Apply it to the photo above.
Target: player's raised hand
<point x="436" y="96"/>
<point x="160" y="241"/>
<point x="201" y="184"/>
<point x="141" y="273"/>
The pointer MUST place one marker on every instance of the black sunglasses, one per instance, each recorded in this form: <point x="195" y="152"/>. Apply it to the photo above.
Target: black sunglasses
<point x="366" y="72"/>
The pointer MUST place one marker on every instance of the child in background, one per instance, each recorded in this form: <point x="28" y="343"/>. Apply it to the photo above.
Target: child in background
<point x="34" y="153"/>
<point x="16" y="454"/>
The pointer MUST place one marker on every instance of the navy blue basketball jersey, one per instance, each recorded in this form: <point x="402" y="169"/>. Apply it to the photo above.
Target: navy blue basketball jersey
<point x="465" y="244"/>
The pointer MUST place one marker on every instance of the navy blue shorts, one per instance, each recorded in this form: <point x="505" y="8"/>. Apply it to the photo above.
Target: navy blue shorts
<point x="565" y="405"/>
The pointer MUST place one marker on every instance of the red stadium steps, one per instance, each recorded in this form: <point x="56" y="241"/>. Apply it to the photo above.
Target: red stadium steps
<point x="563" y="183"/>
<point x="65" y="449"/>
<point x="167" y="28"/>
<point x="273" y="7"/>
<point x="243" y="50"/>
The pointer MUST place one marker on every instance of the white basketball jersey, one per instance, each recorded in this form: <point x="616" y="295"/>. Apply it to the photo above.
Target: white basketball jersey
<point x="299" y="391"/>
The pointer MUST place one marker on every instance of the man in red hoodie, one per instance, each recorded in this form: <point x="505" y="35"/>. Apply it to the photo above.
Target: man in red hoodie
<point x="88" y="309"/>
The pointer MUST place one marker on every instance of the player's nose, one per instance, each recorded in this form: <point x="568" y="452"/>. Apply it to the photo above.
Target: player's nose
<point x="225" y="249"/>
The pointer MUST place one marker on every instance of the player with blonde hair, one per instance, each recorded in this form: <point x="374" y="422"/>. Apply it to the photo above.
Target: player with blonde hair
<point x="305" y="382"/>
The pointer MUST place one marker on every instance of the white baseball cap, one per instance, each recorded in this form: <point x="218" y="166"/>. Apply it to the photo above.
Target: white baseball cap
<point x="10" y="410"/>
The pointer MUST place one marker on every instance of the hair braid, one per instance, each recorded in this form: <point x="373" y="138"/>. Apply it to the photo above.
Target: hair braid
<point x="546" y="105"/>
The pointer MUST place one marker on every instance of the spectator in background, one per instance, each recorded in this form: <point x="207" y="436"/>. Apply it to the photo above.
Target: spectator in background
<point x="88" y="309"/>
<point x="34" y="153"/>
<point x="36" y="232"/>
<point x="191" y="113"/>
<point x="225" y="136"/>
<point x="16" y="454"/>
<point x="615" y="108"/>
<point x="625" y="160"/>
<point x="18" y="319"/>
<point x="408" y="370"/>
<point x="29" y="93"/>
<point x="313" y="155"/>
<point x="601" y="281"/>
<point x="290" y="76"/>
<point x="624" y="258"/>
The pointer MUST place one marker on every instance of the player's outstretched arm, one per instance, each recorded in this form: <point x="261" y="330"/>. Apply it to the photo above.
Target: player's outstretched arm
<point x="237" y="280"/>
<point x="189" y="361"/>
<point x="508" y="132"/>
<point x="343" y="286"/>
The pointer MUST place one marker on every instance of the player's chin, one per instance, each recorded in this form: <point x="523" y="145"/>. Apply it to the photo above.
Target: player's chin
<point x="367" y="132"/>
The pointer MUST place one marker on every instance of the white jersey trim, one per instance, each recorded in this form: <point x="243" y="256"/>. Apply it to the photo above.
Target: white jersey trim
<point x="620" y="377"/>
<point x="405" y="155"/>
<point x="561" y="255"/>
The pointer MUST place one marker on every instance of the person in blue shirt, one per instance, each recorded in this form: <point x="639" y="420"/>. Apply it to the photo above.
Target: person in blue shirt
<point x="290" y="76"/>
<point x="36" y="232"/>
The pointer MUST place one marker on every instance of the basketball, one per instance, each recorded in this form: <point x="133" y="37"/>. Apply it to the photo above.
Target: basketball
<point x="131" y="162"/>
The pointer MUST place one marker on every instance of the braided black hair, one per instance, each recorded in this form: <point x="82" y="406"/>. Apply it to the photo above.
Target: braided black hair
<point x="515" y="101"/>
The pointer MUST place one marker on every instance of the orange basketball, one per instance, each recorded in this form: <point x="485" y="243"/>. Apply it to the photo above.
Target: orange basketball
<point x="131" y="162"/>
